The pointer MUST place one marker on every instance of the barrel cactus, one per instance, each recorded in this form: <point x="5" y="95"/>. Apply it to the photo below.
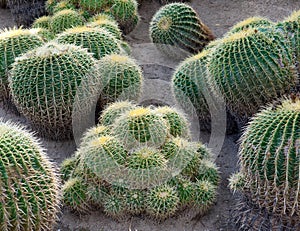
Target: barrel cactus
<point x="106" y="22"/>
<point x="65" y="19"/>
<point x="179" y="26"/>
<point x="42" y="22"/>
<point x="126" y="14"/>
<point x="244" y="59"/>
<point x="14" y="42"/>
<point x="29" y="183"/>
<point x="94" y="6"/>
<point x="269" y="159"/>
<point x="251" y="22"/>
<point x="44" y="84"/>
<point x="97" y="41"/>
<point x="63" y="5"/>
<point x="151" y="175"/>
<point x="121" y="78"/>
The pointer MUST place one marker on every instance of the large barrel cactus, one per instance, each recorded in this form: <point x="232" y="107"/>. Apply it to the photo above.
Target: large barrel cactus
<point x="178" y="25"/>
<point x="269" y="159"/>
<point x="28" y="182"/>
<point x="14" y="42"/>
<point x="97" y="41"/>
<point x="252" y="68"/>
<point x="44" y="83"/>
<point x="157" y="173"/>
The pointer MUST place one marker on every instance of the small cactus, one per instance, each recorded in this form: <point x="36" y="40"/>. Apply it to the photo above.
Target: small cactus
<point x="162" y="202"/>
<point x="97" y="41"/>
<point x="121" y="78"/>
<point x="141" y="126"/>
<point x="42" y="22"/>
<point x="246" y="58"/>
<point x="29" y="184"/>
<point x="126" y="14"/>
<point x="65" y="19"/>
<point x="178" y="25"/>
<point x="44" y="82"/>
<point x="269" y="154"/>
<point x="114" y="110"/>
<point x="63" y="5"/>
<point x="94" y="6"/>
<point x="14" y="42"/>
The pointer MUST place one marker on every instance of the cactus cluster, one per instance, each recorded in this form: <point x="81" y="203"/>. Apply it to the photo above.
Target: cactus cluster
<point x="123" y="11"/>
<point x="269" y="159"/>
<point x="13" y="42"/>
<point x="28" y="180"/>
<point x="177" y="25"/>
<point x="136" y="160"/>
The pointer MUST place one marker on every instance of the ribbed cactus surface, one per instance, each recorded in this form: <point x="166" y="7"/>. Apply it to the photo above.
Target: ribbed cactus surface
<point x="178" y="25"/>
<point x="28" y="181"/>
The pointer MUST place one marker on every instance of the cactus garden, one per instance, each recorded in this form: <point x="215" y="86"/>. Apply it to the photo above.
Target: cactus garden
<point x="147" y="115"/>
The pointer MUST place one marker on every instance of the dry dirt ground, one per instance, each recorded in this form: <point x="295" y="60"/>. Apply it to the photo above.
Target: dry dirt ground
<point x="219" y="15"/>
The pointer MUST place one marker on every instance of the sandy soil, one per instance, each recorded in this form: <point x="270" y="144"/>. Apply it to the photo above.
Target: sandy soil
<point x="219" y="15"/>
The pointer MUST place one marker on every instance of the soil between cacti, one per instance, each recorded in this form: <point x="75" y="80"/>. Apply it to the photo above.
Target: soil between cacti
<point x="219" y="16"/>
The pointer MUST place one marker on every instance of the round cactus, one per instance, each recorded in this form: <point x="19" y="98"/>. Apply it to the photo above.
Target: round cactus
<point x="65" y="19"/>
<point x="204" y="195"/>
<point x="106" y="22"/>
<point x="189" y="85"/>
<point x="44" y="84"/>
<point x="63" y="5"/>
<point x="178" y="25"/>
<point x="208" y="171"/>
<point x="67" y="167"/>
<point x="97" y="41"/>
<point x="114" y="111"/>
<point x="74" y="195"/>
<point x="134" y="201"/>
<point x="114" y="206"/>
<point x="141" y="126"/>
<point x="121" y="78"/>
<point x="126" y="14"/>
<point x="28" y="181"/>
<point x="269" y="159"/>
<point x="42" y="22"/>
<point x="94" y="132"/>
<point x="177" y="123"/>
<point x="247" y="58"/>
<point x="94" y="6"/>
<point x="248" y="23"/>
<point x="14" y="42"/>
<point x="162" y="202"/>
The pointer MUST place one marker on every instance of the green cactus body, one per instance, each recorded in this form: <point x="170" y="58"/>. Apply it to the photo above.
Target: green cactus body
<point x="104" y="156"/>
<point x="269" y="159"/>
<point x="114" y="111"/>
<point x="94" y="6"/>
<point x="208" y="171"/>
<point x="13" y="43"/>
<point x="109" y="25"/>
<point x="49" y="5"/>
<point x="67" y="168"/>
<point x="252" y="22"/>
<point x="162" y="202"/>
<point x="114" y="206"/>
<point x="42" y="22"/>
<point x="178" y="25"/>
<point x="63" y="5"/>
<point x="126" y="14"/>
<point x="177" y="122"/>
<point x="65" y="19"/>
<point x="146" y="158"/>
<point x="252" y="68"/>
<point x="29" y="184"/>
<point x="291" y="27"/>
<point x="74" y="195"/>
<point x="44" y="83"/>
<point x="204" y="195"/>
<point x="135" y="201"/>
<point x="45" y="34"/>
<point x="141" y="126"/>
<point x="97" y="41"/>
<point x="185" y="190"/>
<point x="190" y="86"/>
<point x="93" y="133"/>
<point x="121" y="78"/>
